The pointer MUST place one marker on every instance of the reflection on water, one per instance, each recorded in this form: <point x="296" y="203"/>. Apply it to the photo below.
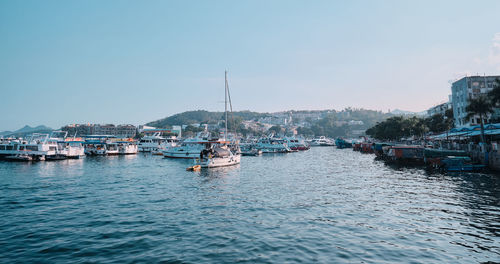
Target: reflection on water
<point x="322" y="205"/>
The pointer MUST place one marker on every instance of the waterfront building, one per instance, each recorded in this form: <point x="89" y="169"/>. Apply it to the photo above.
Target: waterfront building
<point x="462" y="90"/>
<point x="149" y="130"/>
<point x="123" y="131"/>
<point x="439" y="109"/>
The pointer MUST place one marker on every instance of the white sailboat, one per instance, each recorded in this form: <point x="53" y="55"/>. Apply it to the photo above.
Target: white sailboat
<point x="221" y="153"/>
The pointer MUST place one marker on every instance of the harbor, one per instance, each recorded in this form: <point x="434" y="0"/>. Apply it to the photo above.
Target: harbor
<point x="321" y="205"/>
<point x="250" y="131"/>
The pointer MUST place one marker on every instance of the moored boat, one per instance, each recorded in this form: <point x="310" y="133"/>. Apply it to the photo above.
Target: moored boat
<point x="189" y="148"/>
<point x="342" y="143"/>
<point x="297" y="144"/>
<point x="97" y="145"/>
<point x="35" y="147"/>
<point x="272" y="145"/>
<point x="322" y="142"/>
<point x="249" y="150"/>
<point x="221" y="153"/>
<point x="150" y="143"/>
<point x="460" y="164"/>
<point x="126" y="147"/>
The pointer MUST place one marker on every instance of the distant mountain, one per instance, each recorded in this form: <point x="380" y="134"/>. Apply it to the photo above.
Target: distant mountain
<point x="5" y="133"/>
<point x="27" y="130"/>
<point x="201" y="117"/>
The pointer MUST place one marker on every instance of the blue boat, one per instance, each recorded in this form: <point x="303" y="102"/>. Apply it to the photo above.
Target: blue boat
<point x="342" y="143"/>
<point x="460" y="164"/>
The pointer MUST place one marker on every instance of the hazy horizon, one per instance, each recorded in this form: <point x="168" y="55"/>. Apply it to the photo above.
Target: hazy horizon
<point x="136" y="62"/>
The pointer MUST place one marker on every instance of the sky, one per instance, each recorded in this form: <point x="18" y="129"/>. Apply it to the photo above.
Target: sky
<point x="64" y="62"/>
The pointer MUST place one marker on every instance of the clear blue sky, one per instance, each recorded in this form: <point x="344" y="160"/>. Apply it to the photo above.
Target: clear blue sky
<point x="136" y="61"/>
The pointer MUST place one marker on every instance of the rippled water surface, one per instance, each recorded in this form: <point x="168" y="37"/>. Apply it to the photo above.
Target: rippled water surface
<point x="323" y="205"/>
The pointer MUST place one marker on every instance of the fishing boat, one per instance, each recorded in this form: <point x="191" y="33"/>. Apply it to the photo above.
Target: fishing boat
<point x="221" y="153"/>
<point x="342" y="143"/>
<point x="460" y="164"/>
<point x="406" y="155"/>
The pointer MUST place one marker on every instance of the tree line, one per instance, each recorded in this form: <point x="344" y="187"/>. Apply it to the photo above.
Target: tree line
<point x="395" y="128"/>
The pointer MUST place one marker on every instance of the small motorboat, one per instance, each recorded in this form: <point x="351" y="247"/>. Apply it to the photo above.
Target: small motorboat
<point x="251" y="152"/>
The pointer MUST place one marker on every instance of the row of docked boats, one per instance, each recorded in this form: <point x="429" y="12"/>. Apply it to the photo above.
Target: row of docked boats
<point x="191" y="147"/>
<point x="57" y="146"/>
<point x="101" y="145"/>
<point x="443" y="160"/>
<point x="52" y="146"/>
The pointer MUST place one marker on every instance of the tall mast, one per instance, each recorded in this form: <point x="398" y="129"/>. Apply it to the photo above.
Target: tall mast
<point x="225" y="103"/>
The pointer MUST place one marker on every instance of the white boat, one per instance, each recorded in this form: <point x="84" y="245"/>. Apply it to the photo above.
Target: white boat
<point x="272" y="145"/>
<point x="127" y="147"/>
<point x="36" y="147"/>
<point x="189" y="148"/>
<point x="296" y="144"/>
<point x="322" y="141"/>
<point x="112" y="148"/>
<point x="151" y="143"/>
<point x="169" y="142"/>
<point x="67" y="148"/>
<point x="97" y="145"/>
<point x="75" y="149"/>
<point x="221" y="153"/>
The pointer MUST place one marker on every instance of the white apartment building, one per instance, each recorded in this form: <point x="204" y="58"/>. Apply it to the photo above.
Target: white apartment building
<point x="439" y="109"/>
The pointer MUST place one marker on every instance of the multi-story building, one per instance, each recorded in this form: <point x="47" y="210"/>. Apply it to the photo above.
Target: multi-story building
<point x="465" y="89"/>
<point x="96" y="129"/>
<point x="125" y="130"/>
<point x="107" y="129"/>
<point x="439" y="109"/>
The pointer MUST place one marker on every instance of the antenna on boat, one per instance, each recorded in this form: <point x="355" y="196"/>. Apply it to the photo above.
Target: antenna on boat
<point x="230" y="103"/>
<point x="225" y="104"/>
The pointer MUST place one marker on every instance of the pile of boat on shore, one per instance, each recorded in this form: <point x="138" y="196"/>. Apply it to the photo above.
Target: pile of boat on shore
<point x="209" y="151"/>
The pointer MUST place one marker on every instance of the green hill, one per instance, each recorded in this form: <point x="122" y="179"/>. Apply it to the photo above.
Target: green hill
<point x="201" y="117"/>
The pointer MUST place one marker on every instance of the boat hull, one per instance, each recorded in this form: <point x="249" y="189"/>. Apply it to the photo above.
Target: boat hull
<point x="183" y="155"/>
<point x="221" y="162"/>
